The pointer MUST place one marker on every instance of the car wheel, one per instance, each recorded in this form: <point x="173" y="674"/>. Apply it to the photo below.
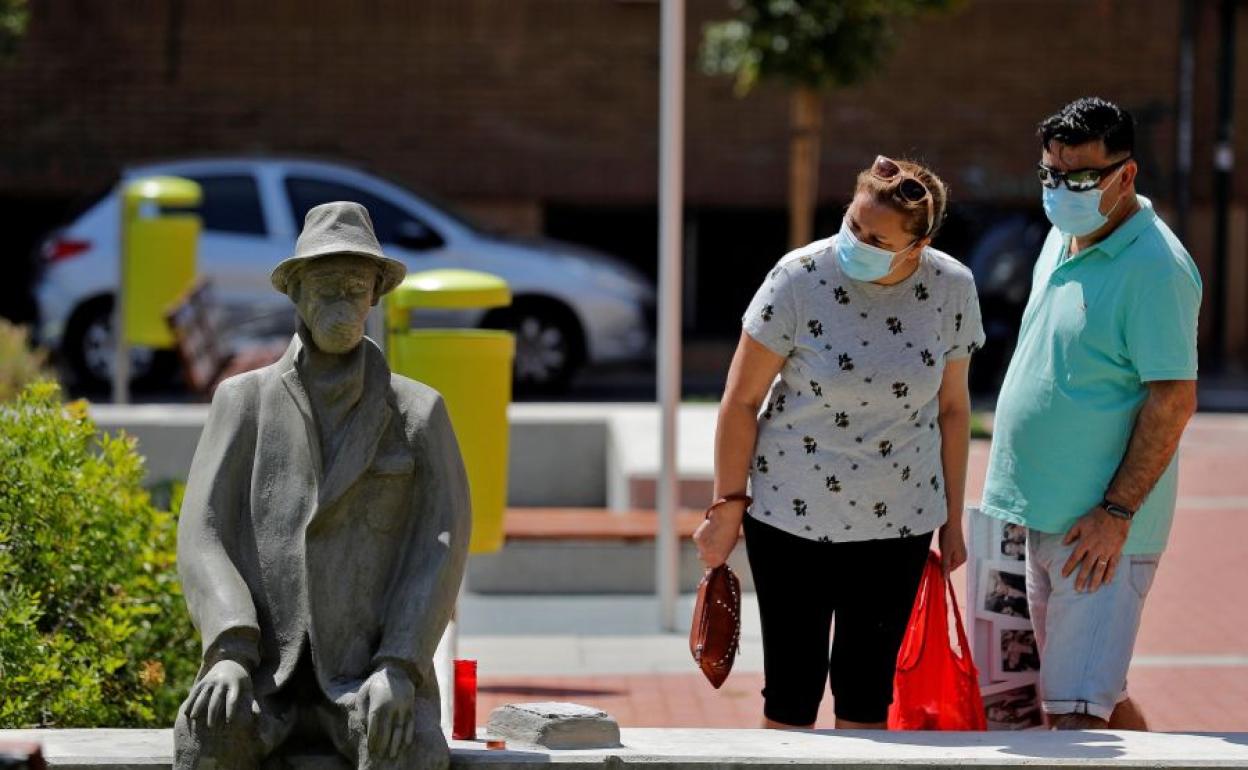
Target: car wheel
<point x="549" y="345"/>
<point x="90" y="350"/>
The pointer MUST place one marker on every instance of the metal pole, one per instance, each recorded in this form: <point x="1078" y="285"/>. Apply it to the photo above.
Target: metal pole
<point x="1184" y="106"/>
<point x="121" y="359"/>
<point x="1223" y="164"/>
<point x="671" y="194"/>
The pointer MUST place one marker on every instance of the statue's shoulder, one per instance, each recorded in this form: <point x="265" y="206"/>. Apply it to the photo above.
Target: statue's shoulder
<point x="416" y="401"/>
<point x="248" y="386"/>
<point x="236" y="401"/>
<point x="240" y="389"/>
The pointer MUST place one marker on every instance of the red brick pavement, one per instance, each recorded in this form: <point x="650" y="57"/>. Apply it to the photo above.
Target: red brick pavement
<point x="1197" y="607"/>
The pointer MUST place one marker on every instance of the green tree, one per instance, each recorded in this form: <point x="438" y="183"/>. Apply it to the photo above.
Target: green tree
<point x="93" y="627"/>
<point x="14" y="16"/>
<point x="812" y="47"/>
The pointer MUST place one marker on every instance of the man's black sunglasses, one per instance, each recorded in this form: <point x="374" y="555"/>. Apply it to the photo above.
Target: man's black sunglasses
<point x="1079" y="180"/>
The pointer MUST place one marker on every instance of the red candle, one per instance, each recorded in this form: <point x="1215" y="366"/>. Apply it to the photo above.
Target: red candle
<point x="465" y="722"/>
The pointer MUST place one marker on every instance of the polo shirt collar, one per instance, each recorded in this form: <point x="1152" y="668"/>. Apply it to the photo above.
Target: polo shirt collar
<point x="1127" y="232"/>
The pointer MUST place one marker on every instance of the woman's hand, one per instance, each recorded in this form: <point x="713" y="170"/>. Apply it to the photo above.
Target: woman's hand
<point x="952" y="548"/>
<point x="717" y="535"/>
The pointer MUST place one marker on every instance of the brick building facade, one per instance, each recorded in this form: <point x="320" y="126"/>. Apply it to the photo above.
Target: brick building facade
<point x="542" y="114"/>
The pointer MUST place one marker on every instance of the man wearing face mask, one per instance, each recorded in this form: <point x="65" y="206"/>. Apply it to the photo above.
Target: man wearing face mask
<point x="1090" y="415"/>
<point x="323" y="534"/>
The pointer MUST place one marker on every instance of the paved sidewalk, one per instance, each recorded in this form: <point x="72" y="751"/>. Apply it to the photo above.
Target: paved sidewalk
<point x="1190" y="672"/>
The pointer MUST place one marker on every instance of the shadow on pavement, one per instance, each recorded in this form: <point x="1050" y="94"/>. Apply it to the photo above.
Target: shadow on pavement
<point x="1059" y="745"/>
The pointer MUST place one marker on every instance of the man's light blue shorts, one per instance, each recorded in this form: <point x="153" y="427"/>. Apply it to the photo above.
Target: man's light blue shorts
<point x="1086" y="639"/>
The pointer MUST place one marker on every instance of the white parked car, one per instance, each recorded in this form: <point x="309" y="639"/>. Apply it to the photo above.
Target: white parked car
<point x="572" y="306"/>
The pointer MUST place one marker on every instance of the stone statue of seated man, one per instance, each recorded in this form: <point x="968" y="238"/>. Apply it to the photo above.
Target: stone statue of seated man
<point x="323" y="534"/>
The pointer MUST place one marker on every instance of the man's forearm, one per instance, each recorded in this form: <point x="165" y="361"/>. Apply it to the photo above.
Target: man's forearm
<point x="1154" y="440"/>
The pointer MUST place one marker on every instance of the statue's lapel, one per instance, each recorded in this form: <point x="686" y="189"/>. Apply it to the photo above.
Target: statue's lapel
<point x="294" y="386"/>
<point x="364" y="429"/>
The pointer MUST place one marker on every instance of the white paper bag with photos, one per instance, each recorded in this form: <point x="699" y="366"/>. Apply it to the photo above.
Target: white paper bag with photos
<point x="1002" y="637"/>
<point x="1013" y="706"/>
<point x="1001" y="596"/>
<point x="1015" y="654"/>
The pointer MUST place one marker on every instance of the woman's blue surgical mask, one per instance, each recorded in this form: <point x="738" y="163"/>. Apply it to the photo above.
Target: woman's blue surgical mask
<point x="1076" y="214"/>
<point x="861" y="261"/>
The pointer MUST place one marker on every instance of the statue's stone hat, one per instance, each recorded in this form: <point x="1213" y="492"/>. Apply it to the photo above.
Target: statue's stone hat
<point x="341" y="227"/>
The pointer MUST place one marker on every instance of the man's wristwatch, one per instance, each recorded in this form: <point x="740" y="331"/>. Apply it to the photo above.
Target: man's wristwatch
<point x="1117" y="511"/>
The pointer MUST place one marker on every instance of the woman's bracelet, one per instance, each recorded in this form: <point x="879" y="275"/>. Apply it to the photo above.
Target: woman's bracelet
<point x="734" y="498"/>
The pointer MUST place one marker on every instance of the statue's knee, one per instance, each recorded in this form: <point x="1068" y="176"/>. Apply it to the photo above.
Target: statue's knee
<point x="428" y="751"/>
<point x="228" y="744"/>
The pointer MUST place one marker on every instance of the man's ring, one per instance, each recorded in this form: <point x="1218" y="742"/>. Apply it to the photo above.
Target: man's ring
<point x="1102" y="561"/>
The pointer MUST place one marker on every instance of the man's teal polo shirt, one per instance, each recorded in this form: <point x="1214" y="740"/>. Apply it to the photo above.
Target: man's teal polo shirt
<point x="1098" y="326"/>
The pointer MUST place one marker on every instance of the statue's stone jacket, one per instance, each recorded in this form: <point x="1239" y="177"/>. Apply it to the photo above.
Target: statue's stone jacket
<point x="359" y="558"/>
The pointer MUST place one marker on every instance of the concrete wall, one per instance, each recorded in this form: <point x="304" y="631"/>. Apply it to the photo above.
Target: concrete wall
<point x="561" y="455"/>
<point x="545" y="443"/>
<point x="576" y="447"/>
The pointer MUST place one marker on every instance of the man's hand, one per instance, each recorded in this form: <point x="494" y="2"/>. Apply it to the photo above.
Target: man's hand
<point x="1098" y="538"/>
<point x="387" y="706"/>
<point x="717" y="535"/>
<point x="221" y="696"/>
<point x="952" y="547"/>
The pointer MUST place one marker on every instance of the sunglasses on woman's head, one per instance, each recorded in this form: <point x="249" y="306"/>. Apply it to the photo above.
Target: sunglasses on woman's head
<point x="1079" y="180"/>
<point x="910" y="188"/>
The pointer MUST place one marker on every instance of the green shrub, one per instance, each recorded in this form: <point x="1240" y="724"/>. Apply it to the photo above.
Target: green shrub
<point x="93" y="628"/>
<point x="19" y="365"/>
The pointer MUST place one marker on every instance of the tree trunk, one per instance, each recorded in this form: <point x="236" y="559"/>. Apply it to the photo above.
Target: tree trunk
<point x="806" y="115"/>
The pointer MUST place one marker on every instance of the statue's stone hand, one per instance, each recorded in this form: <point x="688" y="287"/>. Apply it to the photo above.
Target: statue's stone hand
<point x="387" y="704"/>
<point x="223" y="695"/>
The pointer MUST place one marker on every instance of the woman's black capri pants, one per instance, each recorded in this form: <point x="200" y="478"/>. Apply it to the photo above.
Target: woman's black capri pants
<point x="802" y="584"/>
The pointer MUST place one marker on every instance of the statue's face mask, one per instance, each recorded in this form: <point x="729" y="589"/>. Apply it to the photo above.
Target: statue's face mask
<point x="334" y="295"/>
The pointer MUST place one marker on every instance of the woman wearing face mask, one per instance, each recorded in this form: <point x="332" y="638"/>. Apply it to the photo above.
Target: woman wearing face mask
<point x="846" y="410"/>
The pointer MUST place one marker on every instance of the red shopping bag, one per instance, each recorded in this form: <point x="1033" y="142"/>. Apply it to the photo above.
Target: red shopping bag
<point x="935" y="688"/>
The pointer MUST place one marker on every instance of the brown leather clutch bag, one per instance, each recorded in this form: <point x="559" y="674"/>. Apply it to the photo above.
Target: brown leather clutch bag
<point x="716" y="631"/>
<point x="715" y="635"/>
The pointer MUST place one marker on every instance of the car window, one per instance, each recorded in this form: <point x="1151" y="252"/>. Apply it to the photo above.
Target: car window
<point x="304" y="193"/>
<point x="231" y="204"/>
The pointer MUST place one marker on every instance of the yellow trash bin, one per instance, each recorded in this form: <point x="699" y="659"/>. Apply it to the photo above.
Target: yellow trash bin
<point x="158" y="255"/>
<point x="471" y="368"/>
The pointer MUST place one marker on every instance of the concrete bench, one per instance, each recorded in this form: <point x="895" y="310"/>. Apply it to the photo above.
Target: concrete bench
<point x="671" y="749"/>
<point x="591" y="524"/>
